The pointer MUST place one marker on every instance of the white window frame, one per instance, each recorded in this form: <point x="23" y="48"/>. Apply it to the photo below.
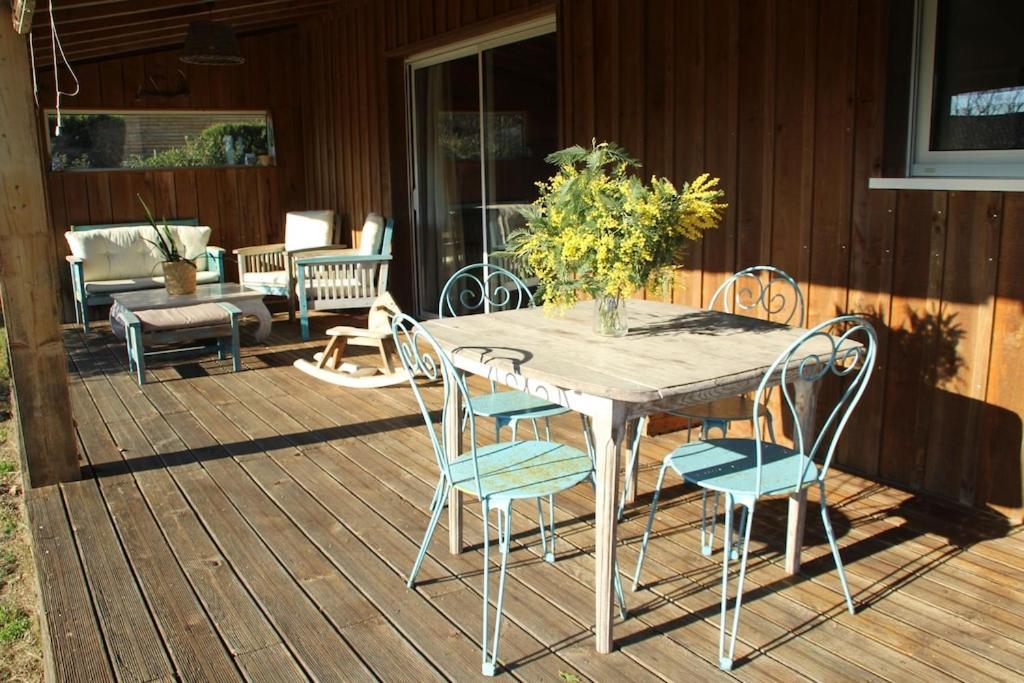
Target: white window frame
<point x="924" y="162"/>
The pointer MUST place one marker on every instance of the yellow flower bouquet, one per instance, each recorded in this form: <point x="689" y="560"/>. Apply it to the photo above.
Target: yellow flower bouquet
<point x="598" y="229"/>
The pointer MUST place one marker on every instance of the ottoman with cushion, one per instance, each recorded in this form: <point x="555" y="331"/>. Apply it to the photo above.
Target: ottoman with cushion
<point x="185" y="323"/>
<point x="116" y="258"/>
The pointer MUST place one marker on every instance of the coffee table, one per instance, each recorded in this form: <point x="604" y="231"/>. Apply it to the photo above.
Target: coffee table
<point x="249" y="302"/>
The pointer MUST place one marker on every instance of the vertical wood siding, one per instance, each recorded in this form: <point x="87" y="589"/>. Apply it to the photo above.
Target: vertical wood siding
<point x="785" y="101"/>
<point x="244" y="206"/>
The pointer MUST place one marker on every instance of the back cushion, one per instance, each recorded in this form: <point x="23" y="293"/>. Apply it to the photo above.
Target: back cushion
<point x="116" y="253"/>
<point x="306" y="229"/>
<point x="372" y="236"/>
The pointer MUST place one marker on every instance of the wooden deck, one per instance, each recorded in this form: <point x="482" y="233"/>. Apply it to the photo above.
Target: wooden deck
<point x="260" y="525"/>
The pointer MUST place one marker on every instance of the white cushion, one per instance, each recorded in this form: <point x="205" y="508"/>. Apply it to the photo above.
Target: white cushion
<point x="270" y="278"/>
<point x="372" y="236"/>
<point x="182" y="317"/>
<point x="203" y="277"/>
<point x="124" y="253"/>
<point x="306" y="229"/>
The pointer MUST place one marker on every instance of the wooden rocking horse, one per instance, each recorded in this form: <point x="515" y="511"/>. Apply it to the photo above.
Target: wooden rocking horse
<point x="329" y="366"/>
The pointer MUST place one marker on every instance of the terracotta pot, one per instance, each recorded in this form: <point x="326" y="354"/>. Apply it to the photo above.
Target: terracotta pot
<point x="179" y="277"/>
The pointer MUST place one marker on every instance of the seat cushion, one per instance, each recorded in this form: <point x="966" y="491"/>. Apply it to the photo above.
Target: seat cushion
<point x="517" y="404"/>
<point x="731" y="465"/>
<point x="269" y="278"/>
<point x="308" y="229"/>
<point x="203" y="277"/>
<point x="372" y="235"/>
<point x="521" y="469"/>
<point x="130" y="252"/>
<point x="183" y="317"/>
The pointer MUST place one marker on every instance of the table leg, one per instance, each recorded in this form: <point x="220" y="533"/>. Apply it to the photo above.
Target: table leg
<point x="631" y="477"/>
<point x="452" y="436"/>
<point x="608" y="431"/>
<point x="805" y="397"/>
<point x="257" y="309"/>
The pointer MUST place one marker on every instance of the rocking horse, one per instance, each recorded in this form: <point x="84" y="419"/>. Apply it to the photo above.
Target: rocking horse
<point x="329" y="366"/>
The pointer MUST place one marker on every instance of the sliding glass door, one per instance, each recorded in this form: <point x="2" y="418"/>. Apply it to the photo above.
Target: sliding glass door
<point x="483" y="119"/>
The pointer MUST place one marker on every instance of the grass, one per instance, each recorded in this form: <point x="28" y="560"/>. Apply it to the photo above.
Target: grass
<point x="20" y="650"/>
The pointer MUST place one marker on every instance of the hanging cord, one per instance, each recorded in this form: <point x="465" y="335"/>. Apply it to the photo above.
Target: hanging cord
<point x="57" y="48"/>
<point x="32" y="59"/>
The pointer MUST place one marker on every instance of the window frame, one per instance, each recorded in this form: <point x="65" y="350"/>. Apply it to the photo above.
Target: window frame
<point x="923" y="162"/>
<point x="45" y="114"/>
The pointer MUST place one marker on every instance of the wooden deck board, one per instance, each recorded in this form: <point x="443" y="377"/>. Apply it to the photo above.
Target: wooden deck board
<point x="261" y="525"/>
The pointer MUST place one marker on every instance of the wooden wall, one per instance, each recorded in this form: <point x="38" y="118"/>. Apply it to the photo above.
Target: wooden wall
<point x="785" y="101"/>
<point x="244" y="206"/>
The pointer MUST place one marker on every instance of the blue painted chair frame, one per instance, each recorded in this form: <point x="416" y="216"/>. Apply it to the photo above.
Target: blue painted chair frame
<point x="136" y="338"/>
<point x="746" y="470"/>
<point x="318" y="279"/>
<point x="498" y="474"/>
<point x="83" y="300"/>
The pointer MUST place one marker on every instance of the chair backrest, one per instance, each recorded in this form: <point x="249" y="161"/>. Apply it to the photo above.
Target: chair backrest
<point x="308" y="229"/>
<point x="130" y="251"/>
<point x="371" y="239"/>
<point x="845" y="346"/>
<point x="483" y="288"/>
<point x="764" y="289"/>
<point x="422" y="356"/>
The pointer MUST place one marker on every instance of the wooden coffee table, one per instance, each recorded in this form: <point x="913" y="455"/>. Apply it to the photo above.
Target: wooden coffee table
<point x="249" y="301"/>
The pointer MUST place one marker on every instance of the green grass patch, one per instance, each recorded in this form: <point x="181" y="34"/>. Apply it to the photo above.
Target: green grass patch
<point x="6" y="466"/>
<point x="14" y="624"/>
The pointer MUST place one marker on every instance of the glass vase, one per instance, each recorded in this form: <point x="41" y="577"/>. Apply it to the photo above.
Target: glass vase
<point x="610" y="318"/>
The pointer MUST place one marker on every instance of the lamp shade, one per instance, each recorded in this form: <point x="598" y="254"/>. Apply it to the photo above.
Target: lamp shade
<point x="211" y="43"/>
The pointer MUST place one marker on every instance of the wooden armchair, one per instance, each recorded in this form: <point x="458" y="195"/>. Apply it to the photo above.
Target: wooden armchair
<point x="352" y="278"/>
<point x="270" y="268"/>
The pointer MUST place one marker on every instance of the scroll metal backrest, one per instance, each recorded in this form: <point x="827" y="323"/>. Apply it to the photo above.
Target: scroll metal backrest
<point x="761" y="289"/>
<point x="423" y="357"/>
<point x="483" y="288"/>
<point x="848" y="353"/>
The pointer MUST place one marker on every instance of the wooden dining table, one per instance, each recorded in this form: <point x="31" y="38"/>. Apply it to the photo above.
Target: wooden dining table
<point x="673" y="356"/>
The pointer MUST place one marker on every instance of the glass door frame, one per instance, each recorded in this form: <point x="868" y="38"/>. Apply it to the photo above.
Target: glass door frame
<point x="540" y="26"/>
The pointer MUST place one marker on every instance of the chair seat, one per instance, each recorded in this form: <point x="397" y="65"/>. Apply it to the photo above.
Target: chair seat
<point x="730" y="465"/>
<point x="521" y="469"/>
<point x="183" y="317"/>
<point x="730" y="409"/>
<point x="517" y="404"/>
<point x="203" y="277"/>
<point x="267" y="278"/>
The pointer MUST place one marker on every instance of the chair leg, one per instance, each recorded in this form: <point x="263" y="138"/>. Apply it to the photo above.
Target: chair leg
<point x="650" y="521"/>
<point x="769" y="422"/>
<point x="631" y="465"/>
<point x="707" y="539"/>
<point x="835" y="549"/>
<point x="725" y="658"/>
<point x="437" y="504"/>
<point x="490" y="653"/>
<point x="85" y="316"/>
<point x="236" y="355"/>
<point x="547" y="531"/>
<point x="588" y="437"/>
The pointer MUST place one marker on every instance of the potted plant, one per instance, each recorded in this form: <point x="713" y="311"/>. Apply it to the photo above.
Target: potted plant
<point x="598" y="229"/>
<point x="179" y="272"/>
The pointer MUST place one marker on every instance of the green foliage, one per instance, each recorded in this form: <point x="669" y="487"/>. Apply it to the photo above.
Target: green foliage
<point x="164" y="243"/>
<point x="88" y="141"/>
<point x="208" y="148"/>
<point x="14" y="624"/>
<point x="599" y="229"/>
<point x="6" y="466"/>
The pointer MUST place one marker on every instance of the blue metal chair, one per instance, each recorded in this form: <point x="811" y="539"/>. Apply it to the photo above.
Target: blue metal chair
<point x="746" y="470"/>
<point x="498" y="474"/>
<point x="757" y="289"/>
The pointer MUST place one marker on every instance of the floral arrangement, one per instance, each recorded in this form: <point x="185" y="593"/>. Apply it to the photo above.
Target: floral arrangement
<point x="598" y="229"/>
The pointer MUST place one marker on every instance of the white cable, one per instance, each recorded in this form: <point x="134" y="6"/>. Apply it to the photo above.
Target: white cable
<point x="32" y="58"/>
<point x="56" y="47"/>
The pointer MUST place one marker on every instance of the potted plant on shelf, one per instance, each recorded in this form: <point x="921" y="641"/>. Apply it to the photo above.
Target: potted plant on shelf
<point x="597" y="229"/>
<point x="179" y="272"/>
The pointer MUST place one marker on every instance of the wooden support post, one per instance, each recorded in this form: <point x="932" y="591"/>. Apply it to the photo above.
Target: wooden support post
<point x="28" y="280"/>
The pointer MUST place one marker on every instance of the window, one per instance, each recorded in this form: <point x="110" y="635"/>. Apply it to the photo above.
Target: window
<point x="95" y="140"/>
<point x="968" y="111"/>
